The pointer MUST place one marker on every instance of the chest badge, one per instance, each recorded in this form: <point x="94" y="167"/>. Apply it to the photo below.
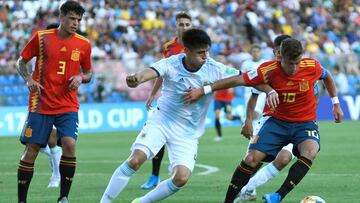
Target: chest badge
<point x="75" y="55"/>
<point x="304" y="85"/>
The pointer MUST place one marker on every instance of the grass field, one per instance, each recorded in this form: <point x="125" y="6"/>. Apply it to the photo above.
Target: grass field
<point x="335" y="174"/>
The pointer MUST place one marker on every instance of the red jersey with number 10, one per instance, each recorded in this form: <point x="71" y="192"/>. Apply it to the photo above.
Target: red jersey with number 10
<point x="296" y="93"/>
<point x="56" y="61"/>
<point x="172" y="47"/>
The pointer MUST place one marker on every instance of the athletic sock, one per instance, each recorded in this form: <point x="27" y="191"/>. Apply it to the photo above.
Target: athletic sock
<point x="218" y="127"/>
<point x="162" y="191"/>
<point x="296" y="173"/>
<point x="56" y="153"/>
<point x="262" y="176"/>
<point x="156" y="162"/>
<point x="239" y="179"/>
<point x="67" y="171"/>
<point x="24" y="175"/>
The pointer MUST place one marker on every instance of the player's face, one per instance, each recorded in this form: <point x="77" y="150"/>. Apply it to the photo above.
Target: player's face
<point x="290" y="65"/>
<point x="197" y="57"/>
<point x="70" y="22"/>
<point x="256" y="54"/>
<point x="182" y="24"/>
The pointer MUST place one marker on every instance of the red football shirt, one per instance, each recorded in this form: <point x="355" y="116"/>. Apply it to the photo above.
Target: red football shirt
<point x="172" y="47"/>
<point x="226" y="95"/>
<point x="296" y="93"/>
<point x="56" y="61"/>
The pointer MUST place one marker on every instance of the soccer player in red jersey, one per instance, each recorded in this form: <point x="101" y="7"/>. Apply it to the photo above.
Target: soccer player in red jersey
<point x="63" y="62"/>
<point x="291" y="121"/>
<point x="172" y="47"/>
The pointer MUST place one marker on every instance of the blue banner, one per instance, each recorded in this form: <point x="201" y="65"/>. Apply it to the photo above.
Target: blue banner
<point x="128" y="116"/>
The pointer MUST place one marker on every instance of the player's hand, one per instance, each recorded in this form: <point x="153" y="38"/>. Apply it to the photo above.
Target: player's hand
<point x="75" y="82"/>
<point x="33" y="85"/>
<point x="338" y="113"/>
<point x="132" y="80"/>
<point x="149" y="100"/>
<point x="272" y="99"/>
<point x="192" y="95"/>
<point x="247" y="129"/>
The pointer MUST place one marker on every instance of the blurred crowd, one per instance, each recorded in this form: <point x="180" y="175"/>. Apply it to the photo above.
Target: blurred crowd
<point x="131" y="34"/>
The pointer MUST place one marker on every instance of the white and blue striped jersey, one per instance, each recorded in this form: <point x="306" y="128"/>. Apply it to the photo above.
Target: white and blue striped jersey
<point x="186" y="120"/>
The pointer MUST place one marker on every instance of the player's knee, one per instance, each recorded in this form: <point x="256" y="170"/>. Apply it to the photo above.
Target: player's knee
<point x="180" y="180"/>
<point x="310" y="154"/>
<point x="251" y="160"/>
<point x="135" y="163"/>
<point x="68" y="146"/>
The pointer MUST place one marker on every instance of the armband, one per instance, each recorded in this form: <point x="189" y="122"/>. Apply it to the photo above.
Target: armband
<point x="335" y="100"/>
<point x="207" y="89"/>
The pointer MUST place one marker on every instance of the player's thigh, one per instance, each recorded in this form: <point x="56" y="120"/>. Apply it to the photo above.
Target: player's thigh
<point x="182" y="151"/>
<point x="306" y="132"/>
<point x="270" y="138"/>
<point x="37" y="129"/>
<point x="150" y="139"/>
<point x="218" y="105"/>
<point x="67" y="125"/>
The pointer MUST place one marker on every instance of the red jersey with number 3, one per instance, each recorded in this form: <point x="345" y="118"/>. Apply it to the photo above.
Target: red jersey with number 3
<point x="296" y="93"/>
<point x="56" y="61"/>
<point x="172" y="47"/>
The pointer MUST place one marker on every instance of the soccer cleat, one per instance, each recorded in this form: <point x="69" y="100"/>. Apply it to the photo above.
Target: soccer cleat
<point x="246" y="195"/>
<point x="136" y="200"/>
<point x="54" y="182"/>
<point x="218" y="139"/>
<point x="152" y="182"/>
<point x="272" y="198"/>
<point x="63" y="200"/>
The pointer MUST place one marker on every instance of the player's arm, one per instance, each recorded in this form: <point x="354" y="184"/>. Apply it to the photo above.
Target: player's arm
<point x="331" y="89"/>
<point x="155" y="89"/>
<point x="25" y="73"/>
<point x="136" y="79"/>
<point x="76" y="80"/>
<point x="247" y="129"/>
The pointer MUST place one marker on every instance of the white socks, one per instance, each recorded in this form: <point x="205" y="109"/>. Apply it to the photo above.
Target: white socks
<point x="56" y="153"/>
<point x="262" y="176"/>
<point x="117" y="183"/>
<point x="162" y="191"/>
<point x="46" y="150"/>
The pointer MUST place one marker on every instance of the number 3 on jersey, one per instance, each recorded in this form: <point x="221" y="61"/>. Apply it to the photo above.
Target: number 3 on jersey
<point x="61" y="67"/>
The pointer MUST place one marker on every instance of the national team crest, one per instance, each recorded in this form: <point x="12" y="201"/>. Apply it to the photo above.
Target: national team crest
<point x="75" y="55"/>
<point x="304" y="85"/>
<point x="28" y="132"/>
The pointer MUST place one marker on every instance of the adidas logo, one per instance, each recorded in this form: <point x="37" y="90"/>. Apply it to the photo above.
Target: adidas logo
<point x="290" y="83"/>
<point x="63" y="49"/>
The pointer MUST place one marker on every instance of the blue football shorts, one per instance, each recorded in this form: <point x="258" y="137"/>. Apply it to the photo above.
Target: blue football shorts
<point x="275" y="134"/>
<point x="38" y="127"/>
<point x="218" y="105"/>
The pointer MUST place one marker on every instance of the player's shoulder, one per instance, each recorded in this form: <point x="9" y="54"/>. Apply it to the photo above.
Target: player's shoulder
<point x="170" y="42"/>
<point x="308" y="63"/>
<point x="81" y="38"/>
<point x="46" y="32"/>
<point x="269" y="66"/>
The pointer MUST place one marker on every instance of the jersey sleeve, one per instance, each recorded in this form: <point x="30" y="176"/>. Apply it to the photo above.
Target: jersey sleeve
<point x="254" y="77"/>
<point x="31" y="49"/>
<point x="161" y="66"/>
<point x="86" y="61"/>
<point x="321" y="73"/>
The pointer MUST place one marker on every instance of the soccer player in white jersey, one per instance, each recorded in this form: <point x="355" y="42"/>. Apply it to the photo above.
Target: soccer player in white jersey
<point x="255" y="106"/>
<point x="249" y="65"/>
<point x="176" y="124"/>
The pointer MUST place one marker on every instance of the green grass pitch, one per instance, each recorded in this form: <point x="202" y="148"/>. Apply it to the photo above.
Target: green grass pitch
<point x="334" y="176"/>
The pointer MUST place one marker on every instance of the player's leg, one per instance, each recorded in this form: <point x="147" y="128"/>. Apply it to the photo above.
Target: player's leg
<point x="67" y="131"/>
<point x="228" y="112"/>
<point x="182" y="154"/>
<point x="34" y="135"/>
<point x="154" y="179"/>
<point x="266" y="173"/>
<point x="149" y="141"/>
<point x="218" y="105"/>
<point x="264" y="146"/>
<point x="55" y="156"/>
<point x="306" y="150"/>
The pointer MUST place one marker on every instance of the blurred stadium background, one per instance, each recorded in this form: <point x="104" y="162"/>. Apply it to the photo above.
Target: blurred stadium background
<point x="127" y="36"/>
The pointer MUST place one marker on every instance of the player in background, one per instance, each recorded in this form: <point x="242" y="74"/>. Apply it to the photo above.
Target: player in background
<point x="174" y="123"/>
<point x="223" y="100"/>
<point x="63" y="62"/>
<point x="254" y="108"/>
<point x="291" y="121"/>
<point x="172" y="47"/>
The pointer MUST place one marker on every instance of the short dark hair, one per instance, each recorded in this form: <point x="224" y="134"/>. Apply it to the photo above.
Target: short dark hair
<point x="182" y="15"/>
<point x="52" y="25"/>
<point x="291" y="48"/>
<point x="196" y="38"/>
<point x="279" y="39"/>
<point x="72" y="6"/>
